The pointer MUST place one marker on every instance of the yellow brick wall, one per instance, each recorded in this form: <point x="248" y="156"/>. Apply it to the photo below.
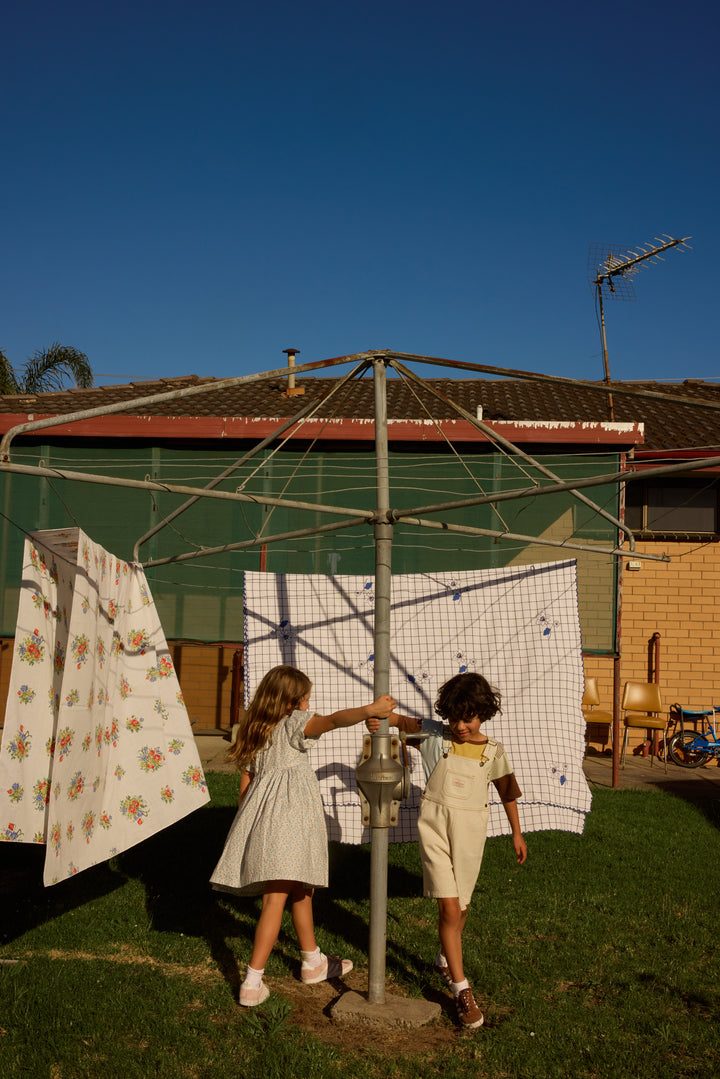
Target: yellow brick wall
<point x="678" y="600"/>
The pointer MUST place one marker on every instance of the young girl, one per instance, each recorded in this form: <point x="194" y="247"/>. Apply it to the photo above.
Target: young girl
<point x="452" y="825"/>
<point x="277" y="844"/>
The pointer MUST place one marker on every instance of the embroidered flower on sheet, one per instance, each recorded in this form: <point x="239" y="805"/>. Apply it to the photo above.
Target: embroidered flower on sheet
<point x="31" y="650"/>
<point x="419" y="677"/>
<point x="26" y="695"/>
<point x="101" y="652"/>
<point x="79" y="648"/>
<point x="463" y="662"/>
<point x="194" y="777"/>
<point x="134" y="807"/>
<point x="19" y="746"/>
<point x="161" y="710"/>
<point x="547" y="625"/>
<point x="87" y="825"/>
<point x="64" y="743"/>
<point x="137" y="641"/>
<point x="284" y="633"/>
<point x="41" y="794"/>
<point x="151" y="759"/>
<point x="59" y="658"/>
<point x="163" y="669"/>
<point x="76" y="786"/>
<point x="55" y="838"/>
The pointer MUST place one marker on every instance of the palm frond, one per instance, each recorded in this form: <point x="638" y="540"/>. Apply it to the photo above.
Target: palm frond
<point x="8" y="382"/>
<point x="52" y="368"/>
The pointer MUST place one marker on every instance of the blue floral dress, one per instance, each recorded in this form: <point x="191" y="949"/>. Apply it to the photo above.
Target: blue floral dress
<point x="279" y="831"/>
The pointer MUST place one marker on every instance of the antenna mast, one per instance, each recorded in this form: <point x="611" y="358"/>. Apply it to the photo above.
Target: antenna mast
<point x="607" y="267"/>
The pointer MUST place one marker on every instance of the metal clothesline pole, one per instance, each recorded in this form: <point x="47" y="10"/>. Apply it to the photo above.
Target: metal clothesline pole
<point x="381" y="648"/>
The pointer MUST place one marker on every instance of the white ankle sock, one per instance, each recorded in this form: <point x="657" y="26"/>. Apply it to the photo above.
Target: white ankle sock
<point x="311" y="959"/>
<point x="440" y="960"/>
<point x="457" y="987"/>
<point x="253" y="977"/>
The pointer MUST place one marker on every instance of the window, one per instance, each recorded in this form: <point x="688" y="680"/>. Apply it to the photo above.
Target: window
<point x="673" y="507"/>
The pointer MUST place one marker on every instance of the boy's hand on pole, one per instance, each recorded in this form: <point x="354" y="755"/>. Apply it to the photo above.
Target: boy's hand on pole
<point x="408" y="724"/>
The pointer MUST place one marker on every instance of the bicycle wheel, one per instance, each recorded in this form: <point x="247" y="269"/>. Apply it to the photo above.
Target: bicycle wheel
<point x="686" y="749"/>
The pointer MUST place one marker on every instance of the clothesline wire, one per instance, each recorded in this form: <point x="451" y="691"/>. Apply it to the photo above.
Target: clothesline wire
<point x="64" y="503"/>
<point x="479" y="486"/>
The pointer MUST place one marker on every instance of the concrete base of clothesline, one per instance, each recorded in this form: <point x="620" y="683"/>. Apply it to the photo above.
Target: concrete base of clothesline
<point x="353" y="1009"/>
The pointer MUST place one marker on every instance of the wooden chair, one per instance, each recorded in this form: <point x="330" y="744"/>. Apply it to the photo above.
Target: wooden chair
<point x="642" y="705"/>
<point x="593" y="715"/>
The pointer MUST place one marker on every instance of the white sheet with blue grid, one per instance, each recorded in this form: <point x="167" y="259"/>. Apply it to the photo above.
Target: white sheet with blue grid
<point x="518" y="626"/>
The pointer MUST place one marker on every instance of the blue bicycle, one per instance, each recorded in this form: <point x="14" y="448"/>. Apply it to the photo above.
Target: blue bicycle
<point x="693" y="748"/>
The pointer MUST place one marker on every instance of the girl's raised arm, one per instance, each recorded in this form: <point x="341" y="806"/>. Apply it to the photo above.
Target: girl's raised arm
<point x="348" y="717"/>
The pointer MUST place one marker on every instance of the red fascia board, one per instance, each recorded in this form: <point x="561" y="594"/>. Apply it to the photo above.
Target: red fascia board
<point x="645" y="459"/>
<point x="243" y="427"/>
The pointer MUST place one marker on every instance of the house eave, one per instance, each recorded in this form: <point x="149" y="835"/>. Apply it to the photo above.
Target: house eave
<point x="195" y="428"/>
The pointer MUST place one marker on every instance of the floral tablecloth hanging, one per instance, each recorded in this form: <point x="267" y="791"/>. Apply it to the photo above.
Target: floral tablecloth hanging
<point x="97" y="751"/>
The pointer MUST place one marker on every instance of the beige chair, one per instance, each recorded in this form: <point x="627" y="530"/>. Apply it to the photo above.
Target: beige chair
<point x="593" y="715"/>
<point x="642" y="705"/>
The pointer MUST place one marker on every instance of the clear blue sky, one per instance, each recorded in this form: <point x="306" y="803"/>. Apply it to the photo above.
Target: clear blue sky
<point x="193" y="187"/>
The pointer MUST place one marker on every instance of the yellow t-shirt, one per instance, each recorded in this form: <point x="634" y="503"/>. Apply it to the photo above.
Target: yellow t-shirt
<point x="469" y="749"/>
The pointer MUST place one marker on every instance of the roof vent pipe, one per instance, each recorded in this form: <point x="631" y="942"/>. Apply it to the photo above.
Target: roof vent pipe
<point x="292" y="389"/>
<point x="478" y="412"/>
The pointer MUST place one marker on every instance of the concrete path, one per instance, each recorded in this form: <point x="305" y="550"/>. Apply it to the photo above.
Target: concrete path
<point x="650" y="773"/>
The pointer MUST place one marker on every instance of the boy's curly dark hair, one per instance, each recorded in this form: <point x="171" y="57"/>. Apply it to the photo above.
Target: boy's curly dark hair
<point x="467" y="695"/>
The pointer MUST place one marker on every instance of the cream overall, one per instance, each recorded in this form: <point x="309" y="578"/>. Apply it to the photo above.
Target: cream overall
<point x="453" y="820"/>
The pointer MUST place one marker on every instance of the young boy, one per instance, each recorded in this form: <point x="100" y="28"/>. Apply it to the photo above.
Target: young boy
<point x="452" y="825"/>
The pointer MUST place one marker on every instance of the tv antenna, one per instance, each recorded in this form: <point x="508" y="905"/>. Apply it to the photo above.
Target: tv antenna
<point x="613" y="266"/>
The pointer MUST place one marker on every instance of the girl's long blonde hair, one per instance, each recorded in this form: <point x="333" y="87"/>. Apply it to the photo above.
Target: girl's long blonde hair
<point x="279" y="693"/>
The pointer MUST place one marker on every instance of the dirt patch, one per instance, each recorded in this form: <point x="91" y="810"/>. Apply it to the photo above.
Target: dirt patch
<point x="312" y="1013"/>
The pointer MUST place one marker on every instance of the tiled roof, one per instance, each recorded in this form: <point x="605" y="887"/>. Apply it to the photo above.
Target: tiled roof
<point x="668" y="424"/>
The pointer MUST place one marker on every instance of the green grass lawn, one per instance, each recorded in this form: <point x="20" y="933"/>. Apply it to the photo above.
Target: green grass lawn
<point x="598" y="958"/>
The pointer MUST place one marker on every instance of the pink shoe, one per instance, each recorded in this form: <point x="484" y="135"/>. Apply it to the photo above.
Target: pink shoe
<point x="328" y="967"/>
<point x="250" y="998"/>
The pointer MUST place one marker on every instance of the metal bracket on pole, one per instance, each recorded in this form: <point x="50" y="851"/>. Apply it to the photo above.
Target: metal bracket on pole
<point x="383" y="781"/>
